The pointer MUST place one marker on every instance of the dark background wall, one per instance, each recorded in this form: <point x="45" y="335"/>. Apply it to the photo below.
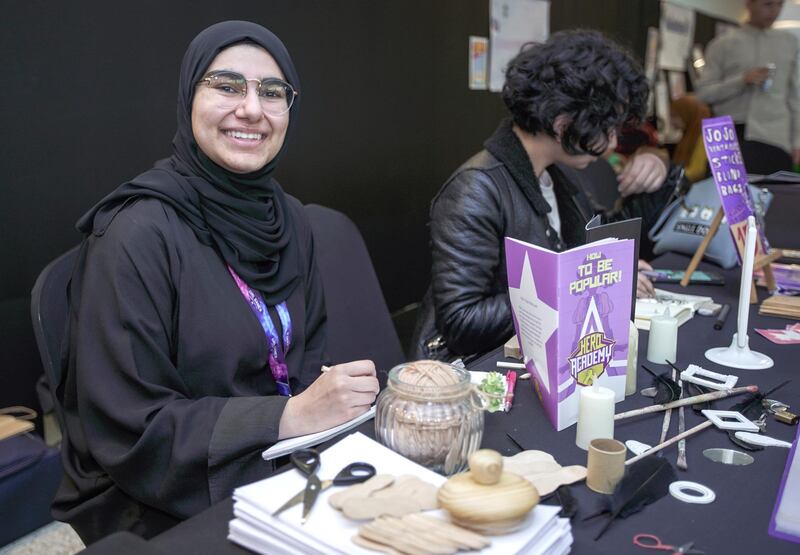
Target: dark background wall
<point x="88" y="100"/>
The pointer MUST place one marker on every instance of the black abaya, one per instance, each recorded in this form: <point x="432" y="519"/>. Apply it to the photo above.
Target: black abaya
<point x="167" y="395"/>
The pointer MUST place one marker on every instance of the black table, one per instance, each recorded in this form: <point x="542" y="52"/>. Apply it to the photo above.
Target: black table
<point x="736" y="522"/>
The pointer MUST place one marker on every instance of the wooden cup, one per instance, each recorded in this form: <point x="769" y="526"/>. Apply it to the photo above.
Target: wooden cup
<point x="605" y="465"/>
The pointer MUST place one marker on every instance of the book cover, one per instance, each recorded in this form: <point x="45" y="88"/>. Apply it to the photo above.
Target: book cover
<point x="625" y="229"/>
<point x="571" y="313"/>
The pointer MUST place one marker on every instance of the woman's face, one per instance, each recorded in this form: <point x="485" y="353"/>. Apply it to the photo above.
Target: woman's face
<point x="241" y="139"/>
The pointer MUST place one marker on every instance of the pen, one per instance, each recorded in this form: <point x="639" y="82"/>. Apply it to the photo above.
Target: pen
<point x="722" y="316"/>
<point x="511" y="381"/>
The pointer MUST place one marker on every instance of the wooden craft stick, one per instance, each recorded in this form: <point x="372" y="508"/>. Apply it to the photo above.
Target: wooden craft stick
<point x="434" y="537"/>
<point x="511" y="365"/>
<point x="701" y="250"/>
<point x="713" y="396"/>
<point x="659" y="447"/>
<point x="392" y="530"/>
<point x="465" y="538"/>
<point x="374" y="546"/>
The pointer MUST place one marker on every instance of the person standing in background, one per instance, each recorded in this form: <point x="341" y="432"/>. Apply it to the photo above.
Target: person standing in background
<point x="687" y="114"/>
<point x="751" y="75"/>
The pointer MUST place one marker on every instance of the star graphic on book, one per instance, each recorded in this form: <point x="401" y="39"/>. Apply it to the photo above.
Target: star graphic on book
<point x="536" y="319"/>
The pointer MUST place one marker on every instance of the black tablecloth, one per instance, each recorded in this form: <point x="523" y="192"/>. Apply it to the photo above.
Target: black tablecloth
<point x="781" y="227"/>
<point x="736" y="522"/>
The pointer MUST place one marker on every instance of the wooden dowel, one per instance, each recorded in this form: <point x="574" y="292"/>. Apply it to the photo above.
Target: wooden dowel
<point x="660" y="446"/>
<point x="511" y="365"/>
<point x="713" y="396"/>
<point x="701" y="250"/>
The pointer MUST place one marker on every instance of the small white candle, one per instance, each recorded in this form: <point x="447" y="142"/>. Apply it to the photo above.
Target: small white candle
<point x="595" y="415"/>
<point x="633" y="360"/>
<point x="662" y="345"/>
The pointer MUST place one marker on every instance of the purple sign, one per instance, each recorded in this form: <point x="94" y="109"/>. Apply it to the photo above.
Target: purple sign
<point x="730" y="176"/>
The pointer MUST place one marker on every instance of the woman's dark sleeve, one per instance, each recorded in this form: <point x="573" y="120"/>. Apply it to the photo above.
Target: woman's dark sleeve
<point x="143" y="425"/>
<point x="467" y="246"/>
<point x="316" y="315"/>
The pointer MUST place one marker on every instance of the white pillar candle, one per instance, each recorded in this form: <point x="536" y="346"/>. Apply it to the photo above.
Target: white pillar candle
<point x="595" y="415"/>
<point x="633" y="360"/>
<point x="662" y="345"/>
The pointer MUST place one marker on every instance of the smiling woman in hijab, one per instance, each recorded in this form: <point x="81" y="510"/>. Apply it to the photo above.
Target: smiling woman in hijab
<point x="196" y="316"/>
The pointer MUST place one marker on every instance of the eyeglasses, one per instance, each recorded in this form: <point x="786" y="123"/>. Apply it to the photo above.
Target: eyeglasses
<point x="276" y="96"/>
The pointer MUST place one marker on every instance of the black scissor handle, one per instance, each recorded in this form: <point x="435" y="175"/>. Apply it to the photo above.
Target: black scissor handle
<point x="306" y="461"/>
<point x="354" y="473"/>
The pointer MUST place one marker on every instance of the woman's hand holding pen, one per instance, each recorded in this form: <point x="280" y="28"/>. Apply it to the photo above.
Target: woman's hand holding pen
<point x="339" y="394"/>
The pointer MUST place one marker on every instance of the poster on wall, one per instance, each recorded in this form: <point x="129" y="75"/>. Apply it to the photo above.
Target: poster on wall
<point x="651" y="65"/>
<point x="663" y="120"/>
<point x="677" y="36"/>
<point x="677" y="84"/>
<point x="514" y="23"/>
<point x="478" y="63"/>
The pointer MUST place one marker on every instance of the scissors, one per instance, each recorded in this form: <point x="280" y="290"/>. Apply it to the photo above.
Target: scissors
<point x="649" y="541"/>
<point x="307" y="462"/>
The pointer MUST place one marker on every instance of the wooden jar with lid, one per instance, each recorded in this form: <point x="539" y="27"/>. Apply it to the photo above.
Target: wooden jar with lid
<point x="485" y="498"/>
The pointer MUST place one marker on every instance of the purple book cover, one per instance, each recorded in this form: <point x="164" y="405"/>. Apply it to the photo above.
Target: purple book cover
<point x="785" y="521"/>
<point x="571" y="313"/>
<point x="730" y="176"/>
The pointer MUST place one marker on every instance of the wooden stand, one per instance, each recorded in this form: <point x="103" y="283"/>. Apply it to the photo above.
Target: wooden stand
<point x="764" y="261"/>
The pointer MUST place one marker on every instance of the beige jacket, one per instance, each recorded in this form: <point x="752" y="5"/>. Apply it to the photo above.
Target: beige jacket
<point x="771" y="116"/>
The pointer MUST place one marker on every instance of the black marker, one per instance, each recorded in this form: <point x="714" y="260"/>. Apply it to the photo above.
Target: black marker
<point x="722" y="316"/>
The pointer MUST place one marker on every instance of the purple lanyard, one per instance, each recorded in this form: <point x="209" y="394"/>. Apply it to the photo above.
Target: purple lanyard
<point x="277" y="361"/>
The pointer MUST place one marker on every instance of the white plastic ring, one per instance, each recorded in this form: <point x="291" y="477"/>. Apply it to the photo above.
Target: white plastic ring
<point x="706" y="494"/>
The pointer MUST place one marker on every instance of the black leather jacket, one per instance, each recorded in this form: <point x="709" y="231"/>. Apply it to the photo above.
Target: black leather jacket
<point x="494" y="195"/>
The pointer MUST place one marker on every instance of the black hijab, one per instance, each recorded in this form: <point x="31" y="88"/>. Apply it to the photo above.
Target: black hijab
<point x="243" y="216"/>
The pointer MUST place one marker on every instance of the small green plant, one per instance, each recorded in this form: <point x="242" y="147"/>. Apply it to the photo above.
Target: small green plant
<point x="494" y="386"/>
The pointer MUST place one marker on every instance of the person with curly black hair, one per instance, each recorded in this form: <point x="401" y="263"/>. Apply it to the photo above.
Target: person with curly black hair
<point x="567" y="99"/>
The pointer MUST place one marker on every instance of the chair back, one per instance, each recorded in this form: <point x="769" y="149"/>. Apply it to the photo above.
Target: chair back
<point x="359" y="323"/>
<point x="49" y="317"/>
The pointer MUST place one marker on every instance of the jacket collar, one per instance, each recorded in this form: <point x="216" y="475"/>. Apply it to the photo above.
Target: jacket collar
<point x="506" y="147"/>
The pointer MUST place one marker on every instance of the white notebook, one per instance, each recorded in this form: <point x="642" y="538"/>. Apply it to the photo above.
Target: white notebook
<point x="292" y="444"/>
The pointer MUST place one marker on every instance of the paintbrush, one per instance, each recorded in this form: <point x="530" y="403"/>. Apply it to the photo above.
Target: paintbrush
<point x="679" y="437"/>
<point x="681" y="463"/>
<point x="713" y="396"/>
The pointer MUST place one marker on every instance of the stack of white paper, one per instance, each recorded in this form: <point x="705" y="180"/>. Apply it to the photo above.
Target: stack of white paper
<point x="328" y="532"/>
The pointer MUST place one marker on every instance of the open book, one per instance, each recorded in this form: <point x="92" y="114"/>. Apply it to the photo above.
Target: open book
<point x="571" y="313"/>
<point x="679" y="305"/>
